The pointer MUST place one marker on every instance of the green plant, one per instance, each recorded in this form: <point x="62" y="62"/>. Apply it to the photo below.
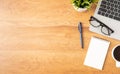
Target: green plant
<point x="83" y="3"/>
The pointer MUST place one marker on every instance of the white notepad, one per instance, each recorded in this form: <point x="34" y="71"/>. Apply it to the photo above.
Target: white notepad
<point x="96" y="53"/>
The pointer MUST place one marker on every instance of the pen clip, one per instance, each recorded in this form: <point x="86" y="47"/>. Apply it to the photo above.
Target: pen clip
<point x="80" y="27"/>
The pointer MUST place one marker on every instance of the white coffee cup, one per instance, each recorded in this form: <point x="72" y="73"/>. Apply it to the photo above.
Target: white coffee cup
<point x="114" y="55"/>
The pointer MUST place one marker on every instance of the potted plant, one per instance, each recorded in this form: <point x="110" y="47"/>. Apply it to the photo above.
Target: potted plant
<point x="82" y="5"/>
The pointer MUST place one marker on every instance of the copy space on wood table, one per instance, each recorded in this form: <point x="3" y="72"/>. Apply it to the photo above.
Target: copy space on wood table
<point x="41" y="37"/>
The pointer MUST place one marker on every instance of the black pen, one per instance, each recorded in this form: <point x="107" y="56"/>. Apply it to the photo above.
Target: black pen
<point x="81" y="34"/>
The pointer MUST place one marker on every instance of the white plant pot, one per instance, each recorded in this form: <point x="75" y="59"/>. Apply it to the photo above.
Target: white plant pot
<point x="79" y="9"/>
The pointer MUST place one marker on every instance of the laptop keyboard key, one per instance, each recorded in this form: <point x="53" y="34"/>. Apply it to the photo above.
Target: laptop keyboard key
<point x="112" y="1"/>
<point x="118" y="3"/>
<point x="116" y="6"/>
<point x="108" y="7"/>
<point x="103" y="6"/>
<point x="112" y="5"/>
<point x="104" y="2"/>
<point x="99" y="12"/>
<point x="118" y="11"/>
<point x="103" y="14"/>
<point x="108" y="3"/>
<point x="106" y="15"/>
<point x="112" y="8"/>
<point x="111" y="16"/>
<point x="119" y="15"/>
<point x="117" y="18"/>
<point x="115" y="10"/>
<point x="102" y="9"/>
<point x="116" y="14"/>
<point x="112" y="13"/>
<point x="108" y="11"/>
<point x="115" y="2"/>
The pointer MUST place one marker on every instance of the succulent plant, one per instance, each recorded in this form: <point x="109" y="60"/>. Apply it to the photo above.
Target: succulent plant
<point x="83" y="3"/>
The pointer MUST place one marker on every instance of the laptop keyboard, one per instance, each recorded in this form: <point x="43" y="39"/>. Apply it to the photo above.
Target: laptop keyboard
<point x="110" y="8"/>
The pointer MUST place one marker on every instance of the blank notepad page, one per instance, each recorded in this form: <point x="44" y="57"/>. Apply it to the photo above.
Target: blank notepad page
<point x="96" y="53"/>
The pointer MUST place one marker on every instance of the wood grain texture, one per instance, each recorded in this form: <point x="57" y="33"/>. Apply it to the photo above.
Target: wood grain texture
<point x="41" y="37"/>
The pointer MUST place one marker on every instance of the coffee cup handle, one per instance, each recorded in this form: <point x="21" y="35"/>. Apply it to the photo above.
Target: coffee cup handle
<point x="117" y="64"/>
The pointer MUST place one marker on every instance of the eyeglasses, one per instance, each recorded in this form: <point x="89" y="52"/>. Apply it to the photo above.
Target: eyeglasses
<point x="104" y="28"/>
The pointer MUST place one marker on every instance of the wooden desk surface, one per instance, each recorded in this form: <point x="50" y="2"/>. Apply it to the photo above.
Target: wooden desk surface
<point x="41" y="37"/>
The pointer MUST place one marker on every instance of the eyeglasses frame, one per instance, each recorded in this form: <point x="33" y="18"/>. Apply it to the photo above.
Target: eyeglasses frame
<point x="102" y="25"/>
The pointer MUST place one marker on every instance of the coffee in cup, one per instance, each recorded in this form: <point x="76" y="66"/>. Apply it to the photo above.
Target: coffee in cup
<point x="116" y="55"/>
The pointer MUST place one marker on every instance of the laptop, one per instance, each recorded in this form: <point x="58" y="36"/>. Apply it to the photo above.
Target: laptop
<point x="107" y="14"/>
